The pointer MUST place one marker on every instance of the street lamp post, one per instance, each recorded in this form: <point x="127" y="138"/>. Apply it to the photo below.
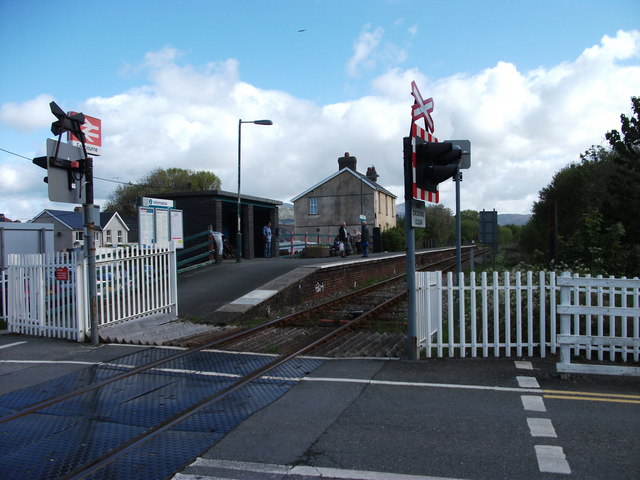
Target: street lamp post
<point x="239" y="233"/>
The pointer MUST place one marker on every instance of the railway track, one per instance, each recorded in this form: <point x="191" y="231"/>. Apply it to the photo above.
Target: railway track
<point x="347" y="325"/>
<point x="369" y="322"/>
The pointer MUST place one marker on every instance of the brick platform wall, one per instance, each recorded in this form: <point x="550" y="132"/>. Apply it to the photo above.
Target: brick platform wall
<point x="339" y="279"/>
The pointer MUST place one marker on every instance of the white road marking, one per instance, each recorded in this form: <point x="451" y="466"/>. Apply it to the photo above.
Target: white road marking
<point x="422" y="384"/>
<point x="533" y="403"/>
<point x="528" y="382"/>
<point x="11" y="345"/>
<point x="541" y="427"/>
<point x="552" y="459"/>
<point x="45" y="362"/>
<point x="299" y="470"/>
<point x="523" y="365"/>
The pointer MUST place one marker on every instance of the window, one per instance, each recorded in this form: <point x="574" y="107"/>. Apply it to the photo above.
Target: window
<point x="120" y="237"/>
<point x="109" y="237"/>
<point x="313" y="205"/>
<point x="78" y="236"/>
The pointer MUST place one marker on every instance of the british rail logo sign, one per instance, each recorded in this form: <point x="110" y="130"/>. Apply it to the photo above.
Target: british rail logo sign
<point x="92" y="129"/>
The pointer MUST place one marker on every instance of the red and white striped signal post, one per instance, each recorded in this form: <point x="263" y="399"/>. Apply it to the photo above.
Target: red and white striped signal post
<point x="418" y="193"/>
<point x="412" y="194"/>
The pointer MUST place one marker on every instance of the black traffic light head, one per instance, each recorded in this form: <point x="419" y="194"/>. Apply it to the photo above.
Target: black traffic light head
<point x="67" y="123"/>
<point x="435" y="163"/>
<point x="42" y="162"/>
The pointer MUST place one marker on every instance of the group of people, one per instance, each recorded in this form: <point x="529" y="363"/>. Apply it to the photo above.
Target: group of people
<point x="345" y="242"/>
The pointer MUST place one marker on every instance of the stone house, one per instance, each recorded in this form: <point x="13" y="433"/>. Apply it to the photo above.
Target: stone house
<point x="345" y="196"/>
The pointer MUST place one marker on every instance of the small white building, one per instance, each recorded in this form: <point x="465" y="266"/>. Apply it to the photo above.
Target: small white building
<point x="68" y="229"/>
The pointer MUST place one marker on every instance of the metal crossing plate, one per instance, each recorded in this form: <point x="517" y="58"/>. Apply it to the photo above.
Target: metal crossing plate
<point x="60" y="438"/>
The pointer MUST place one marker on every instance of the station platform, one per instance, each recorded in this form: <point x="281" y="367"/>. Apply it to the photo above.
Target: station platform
<point x="212" y="296"/>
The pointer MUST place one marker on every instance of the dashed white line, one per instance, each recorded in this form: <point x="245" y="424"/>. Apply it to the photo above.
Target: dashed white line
<point x="523" y="365"/>
<point x="541" y="427"/>
<point x="527" y="382"/>
<point x="533" y="403"/>
<point x="551" y="459"/>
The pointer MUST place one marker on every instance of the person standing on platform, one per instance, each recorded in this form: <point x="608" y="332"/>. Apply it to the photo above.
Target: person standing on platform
<point x="342" y="238"/>
<point x="364" y="239"/>
<point x="266" y="236"/>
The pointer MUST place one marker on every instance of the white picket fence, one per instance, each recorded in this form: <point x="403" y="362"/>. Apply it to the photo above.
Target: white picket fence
<point x="47" y="295"/>
<point x="514" y="314"/>
<point x="599" y="317"/>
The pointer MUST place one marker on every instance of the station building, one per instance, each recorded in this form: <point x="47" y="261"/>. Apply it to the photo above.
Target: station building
<point x="345" y="196"/>
<point x="219" y="209"/>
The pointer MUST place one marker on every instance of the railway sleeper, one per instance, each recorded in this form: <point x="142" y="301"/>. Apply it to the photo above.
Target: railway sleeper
<point x="353" y="343"/>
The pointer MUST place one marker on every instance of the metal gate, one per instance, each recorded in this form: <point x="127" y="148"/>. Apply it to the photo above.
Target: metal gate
<point x="48" y="293"/>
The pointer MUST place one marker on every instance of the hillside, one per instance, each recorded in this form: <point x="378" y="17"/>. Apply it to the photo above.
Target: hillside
<point x="503" y="218"/>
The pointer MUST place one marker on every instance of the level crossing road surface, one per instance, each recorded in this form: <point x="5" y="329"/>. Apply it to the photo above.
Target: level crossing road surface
<point x="449" y="418"/>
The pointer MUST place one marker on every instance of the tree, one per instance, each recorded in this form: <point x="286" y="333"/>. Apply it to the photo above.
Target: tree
<point x="469" y="226"/>
<point x="157" y="182"/>
<point x="588" y="214"/>
<point x="627" y="145"/>
<point x="623" y="203"/>
<point x="440" y="228"/>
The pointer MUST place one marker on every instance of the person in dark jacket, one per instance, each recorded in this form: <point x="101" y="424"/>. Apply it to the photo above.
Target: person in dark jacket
<point x="364" y="239"/>
<point x="343" y="237"/>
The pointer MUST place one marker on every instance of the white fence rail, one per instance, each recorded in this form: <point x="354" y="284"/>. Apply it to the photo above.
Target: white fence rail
<point x="47" y="295"/>
<point x="134" y="282"/>
<point x="599" y="317"/>
<point x="475" y="319"/>
<point x="42" y="295"/>
<point x="514" y="314"/>
<point x="4" y="289"/>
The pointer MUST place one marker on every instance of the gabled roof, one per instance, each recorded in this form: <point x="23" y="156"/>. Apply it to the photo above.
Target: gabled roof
<point x="72" y="220"/>
<point x="75" y="220"/>
<point x="106" y="217"/>
<point x="358" y="175"/>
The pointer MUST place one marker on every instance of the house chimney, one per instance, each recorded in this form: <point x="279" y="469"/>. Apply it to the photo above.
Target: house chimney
<point x="372" y="174"/>
<point x="347" y="162"/>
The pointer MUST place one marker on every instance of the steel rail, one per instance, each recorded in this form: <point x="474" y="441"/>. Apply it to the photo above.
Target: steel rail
<point x="117" y="452"/>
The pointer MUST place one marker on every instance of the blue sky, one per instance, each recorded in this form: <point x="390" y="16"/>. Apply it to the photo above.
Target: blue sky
<point x="170" y="79"/>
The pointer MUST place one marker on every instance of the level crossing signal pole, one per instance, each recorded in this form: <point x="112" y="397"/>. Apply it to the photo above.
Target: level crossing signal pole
<point x="65" y="191"/>
<point x="427" y="163"/>
<point x="412" y="333"/>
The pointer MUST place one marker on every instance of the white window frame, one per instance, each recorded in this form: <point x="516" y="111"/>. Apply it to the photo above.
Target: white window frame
<point x="313" y="205"/>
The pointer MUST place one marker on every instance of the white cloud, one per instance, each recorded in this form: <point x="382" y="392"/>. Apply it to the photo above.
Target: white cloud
<point x="27" y="116"/>
<point x="364" y="49"/>
<point x="523" y="126"/>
